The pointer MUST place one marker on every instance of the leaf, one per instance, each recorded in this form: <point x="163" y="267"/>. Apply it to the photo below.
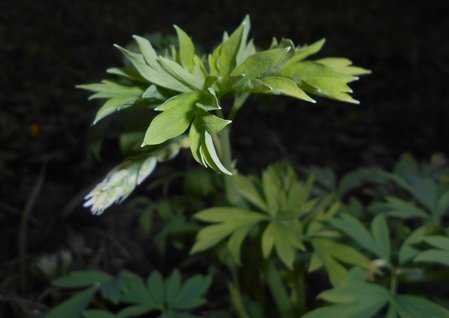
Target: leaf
<point x="156" y="288"/>
<point x="74" y="306"/>
<point x="135" y="291"/>
<point x="272" y="190"/>
<point x="127" y="72"/>
<point x="407" y="252"/>
<point x="399" y="208"/>
<point x="186" y="48"/>
<point x="305" y="51"/>
<point x="268" y="240"/>
<point x="356" y="300"/>
<point x="210" y="155"/>
<point x="169" y="124"/>
<point x="284" y="249"/>
<point x="343" y="65"/>
<point x="179" y="100"/>
<point x="82" y="279"/>
<point x="110" y="89"/>
<point x="245" y="49"/>
<point x="227" y="59"/>
<point x="152" y="71"/>
<point x="355" y="229"/>
<point x="181" y="74"/>
<point x="433" y="256"/>
<point x="212" y="123"/>
<point x="260" y="63"/>
<point x="173" y="285"/>
<point x="111" y="106"/>
<point x="381" y="236"/>
<point x="248" y="189"/>
<point x="235" y="242"/>
<point x="442" y="204"/>
<point x="191" y="294"/>
<point x="425" y="191"/>
<point x="438" y="241"/>
<point x="285" y="86"/>
<point x="416" y="307"/>
<point x="112" y="289"/>
<point x="195" y="137"/>
<point x="229" y="219"/>
<point x="321" y="80"/>
<point x="332" y="253"/>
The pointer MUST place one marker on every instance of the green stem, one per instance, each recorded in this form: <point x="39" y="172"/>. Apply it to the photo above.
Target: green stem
<point x="237" y="300"/>
<point x="278" y="291"/>
<point x="230" y="182"/>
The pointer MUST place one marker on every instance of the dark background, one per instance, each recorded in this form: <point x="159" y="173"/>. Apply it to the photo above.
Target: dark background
<point x="47" y="47"/>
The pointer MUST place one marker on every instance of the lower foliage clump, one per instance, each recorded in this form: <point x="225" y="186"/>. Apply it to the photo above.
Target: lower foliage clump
<point x="365" y="246"/>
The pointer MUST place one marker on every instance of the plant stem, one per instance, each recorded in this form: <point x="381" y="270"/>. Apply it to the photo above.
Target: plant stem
<point x="230" y="183"/>
<point x="237" y="300"/>
<point x="278" y="291"/>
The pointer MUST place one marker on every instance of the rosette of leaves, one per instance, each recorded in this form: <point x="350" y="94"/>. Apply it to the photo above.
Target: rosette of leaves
<point x="171" y="297"/>
<point x="186" y="89"/>
<point x="356" y="298"/>
<point x="281" y="209"/>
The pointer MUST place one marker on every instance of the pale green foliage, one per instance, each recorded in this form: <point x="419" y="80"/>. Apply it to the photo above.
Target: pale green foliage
<point x="187" y="88"/>
<point x="171" y="297"/>
<point x="356" y="298"/>
<point x="377" y="241"/>
<point x="282" y="208"/>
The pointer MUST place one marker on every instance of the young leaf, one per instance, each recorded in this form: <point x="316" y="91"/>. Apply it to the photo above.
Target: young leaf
<point x="210" y="155"/>
<point x="343" y="65"/>
<point x="227" y="59"/>
<point x="169" y="124"/>
<point x="305" y="51"/>
<point x="287" y="87"/>
<point x="181" y="74"/>
<point x="179" y="100"/>
<point x="186" y="48"/>
<point x="119" y="183"/>
<point x="260" y="63"/>
<point x="152" y="71"/>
